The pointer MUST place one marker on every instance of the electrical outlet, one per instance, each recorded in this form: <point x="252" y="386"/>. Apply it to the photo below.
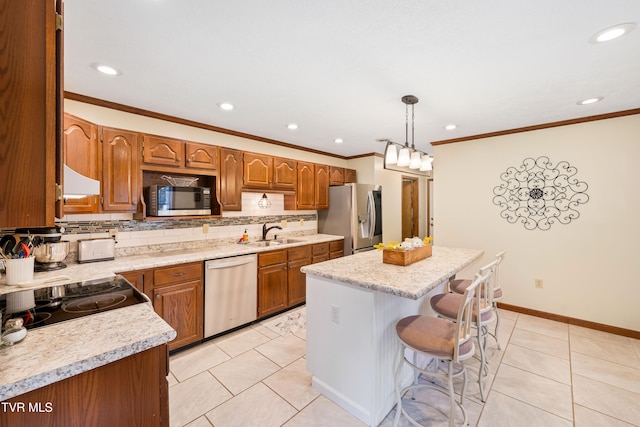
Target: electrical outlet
<point x="113" y="233"/>
<point x="205" y="228"/>
<point x="539" y="283"/>
<point x="283" y="223"/>
<point x="335" y="314"/>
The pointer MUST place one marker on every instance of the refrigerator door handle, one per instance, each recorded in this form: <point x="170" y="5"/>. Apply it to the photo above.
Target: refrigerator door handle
<point x="371" y="209"/>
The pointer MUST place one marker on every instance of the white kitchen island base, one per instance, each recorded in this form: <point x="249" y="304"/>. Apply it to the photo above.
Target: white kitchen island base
<point x="352" y="346"/>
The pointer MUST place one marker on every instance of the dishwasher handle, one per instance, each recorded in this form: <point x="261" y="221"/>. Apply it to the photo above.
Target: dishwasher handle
<point x="231" y="263"/>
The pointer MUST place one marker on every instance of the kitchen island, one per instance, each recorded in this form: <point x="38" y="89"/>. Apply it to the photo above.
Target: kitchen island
<point x="353" y="304"/>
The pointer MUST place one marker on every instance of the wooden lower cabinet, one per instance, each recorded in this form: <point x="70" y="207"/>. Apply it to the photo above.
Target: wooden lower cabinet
<point x="336" y="249"/>
<point x="320" y="252"/>
<point x="128" y="392"/>
<point x="272" y="282"/>
<point x="177" y="295"/>
<point x="298" y="257"/>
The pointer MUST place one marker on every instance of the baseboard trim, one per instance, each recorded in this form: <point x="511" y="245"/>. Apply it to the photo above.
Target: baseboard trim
<point x="572" y="321"/>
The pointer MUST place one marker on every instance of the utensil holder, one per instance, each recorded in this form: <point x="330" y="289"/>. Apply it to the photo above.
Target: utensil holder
<point x="19" y="270"/>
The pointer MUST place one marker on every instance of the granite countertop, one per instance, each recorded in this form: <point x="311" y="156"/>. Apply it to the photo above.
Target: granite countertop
<point x="366" y="270"/>
<point x="96" y="270"/>
<point x="65" y="349"/>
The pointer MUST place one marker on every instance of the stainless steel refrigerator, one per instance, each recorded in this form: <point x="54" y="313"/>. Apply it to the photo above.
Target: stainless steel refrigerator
<point x="355" y="212"/>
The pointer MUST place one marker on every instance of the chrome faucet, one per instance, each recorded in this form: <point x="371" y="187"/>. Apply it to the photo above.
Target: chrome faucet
<point x="265" y="230"/>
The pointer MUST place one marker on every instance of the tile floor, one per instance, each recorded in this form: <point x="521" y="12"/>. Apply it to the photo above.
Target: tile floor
<point x="547" y="374"/>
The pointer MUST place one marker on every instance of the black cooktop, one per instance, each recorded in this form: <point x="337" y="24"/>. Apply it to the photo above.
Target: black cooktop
<point x="46" y="306"/>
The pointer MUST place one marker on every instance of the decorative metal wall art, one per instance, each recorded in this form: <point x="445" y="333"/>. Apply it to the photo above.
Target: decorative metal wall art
<point x="539" y="193"/>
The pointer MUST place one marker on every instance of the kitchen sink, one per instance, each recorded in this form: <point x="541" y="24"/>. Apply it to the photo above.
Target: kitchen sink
<point x="276" y="242"/>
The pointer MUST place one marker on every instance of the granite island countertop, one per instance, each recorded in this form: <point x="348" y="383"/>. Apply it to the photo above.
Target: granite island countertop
<point x="53" y="353"/>
<point x="366" y="270"/>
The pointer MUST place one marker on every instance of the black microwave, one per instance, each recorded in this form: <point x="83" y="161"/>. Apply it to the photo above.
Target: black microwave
<point x="169" y="200"/>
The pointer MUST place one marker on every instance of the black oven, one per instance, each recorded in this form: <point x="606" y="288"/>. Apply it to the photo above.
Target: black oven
<point x="169" y="200"/>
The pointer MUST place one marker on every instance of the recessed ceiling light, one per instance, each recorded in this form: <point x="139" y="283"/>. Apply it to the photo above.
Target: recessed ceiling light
<point x="338" y="140"/>
<point x="225" y="106"/>
<point x="590" y="101"/>
<point x="450" y="126"/>
<point x="612" y="33"/>
<point x="292" y="126"/>
<point x="105" y="69"/>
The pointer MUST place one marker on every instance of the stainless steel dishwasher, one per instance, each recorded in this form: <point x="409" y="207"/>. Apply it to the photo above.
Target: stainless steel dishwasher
<point x="230" y="293"/>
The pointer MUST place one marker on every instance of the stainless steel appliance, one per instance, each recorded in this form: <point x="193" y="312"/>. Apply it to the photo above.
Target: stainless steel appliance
<point x="170" y="200"/>
<point x="230" y="293"/>
<point x="355" y="212"/>
<point x="49" y="248"/>
<point x="46" y="306"/>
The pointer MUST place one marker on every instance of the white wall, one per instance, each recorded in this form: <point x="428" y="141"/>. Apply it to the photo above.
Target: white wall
<point x="590" y="266"/>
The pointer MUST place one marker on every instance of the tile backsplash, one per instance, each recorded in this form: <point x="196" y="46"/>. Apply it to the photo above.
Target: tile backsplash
<point x="141" y="237"/>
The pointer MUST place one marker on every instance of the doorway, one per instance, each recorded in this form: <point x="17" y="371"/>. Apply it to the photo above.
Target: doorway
<point x="410" y="207"/>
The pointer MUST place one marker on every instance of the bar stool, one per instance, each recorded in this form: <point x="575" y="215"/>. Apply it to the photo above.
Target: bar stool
<point x="443" y="340"/>
<point x="483" y="314"/>
<point x="459" y="285"/>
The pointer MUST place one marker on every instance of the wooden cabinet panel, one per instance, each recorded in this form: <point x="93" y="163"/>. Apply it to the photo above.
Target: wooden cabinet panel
<point x="177" y="273"/>
<point x="350" y="175"/>
<point x="297" y="281"/>
<point x="201" y="156"/>
<point x="320" y="252"/>
<point x="82" y="154"/>
<point x="257" y="170"/>
<point x="321" y="199"/>
<point x="336" y="176"/>
<point x="272" y="289"/>
<point x="230" y="179"/>
<point x="336" y="249"/>
<point x="306" y="186"/>
<point x="30" y="114"/>
<point x="120" y="172"/>
<point x="181" y="306"/>
<point x="271" y="258"/>
<point x="284" y="174"/>
<point x="299" y="252"/>
<point x="159" y="150"/>
<point x="128" y="392"/>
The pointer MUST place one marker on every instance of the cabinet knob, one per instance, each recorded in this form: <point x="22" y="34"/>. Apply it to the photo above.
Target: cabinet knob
<point x="182" y="273"/>
<point x="158" y="296"/>
<point x="188" y="160"/>
<point x="178" y="159"/>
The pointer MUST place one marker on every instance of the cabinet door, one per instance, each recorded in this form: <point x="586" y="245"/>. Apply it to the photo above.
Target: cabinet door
<point x="336" y="176"/>
<point x="142" y="280"/>
<point x="257" y="171"/>
<point x="81" y="153"/>
<point x="230" y="179"/>
<point x="180" y="305"/>
<point x="350" y="175"/>
<point x="158" y="150"/>
<point x="201" y="156"/>
<point x="29" y="111"/>
<point x="284" y="174"/>
<point x="272" y="289"/>
<point x="120" y="172"/>
<point x="305" y="192"/>
<point x="336" y="249"/>
<point x="321" y="199"/>
<point x="297" y="281"/>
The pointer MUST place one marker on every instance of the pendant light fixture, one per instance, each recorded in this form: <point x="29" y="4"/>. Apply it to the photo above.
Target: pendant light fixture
<point x="264" y="202"/>
<point x="405" y="158"/>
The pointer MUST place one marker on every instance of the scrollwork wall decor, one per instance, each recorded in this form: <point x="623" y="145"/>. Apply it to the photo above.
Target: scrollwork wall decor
<point x="539" y="193"/>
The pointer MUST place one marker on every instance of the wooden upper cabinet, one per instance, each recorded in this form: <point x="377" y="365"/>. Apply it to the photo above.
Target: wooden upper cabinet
<point x="30" y="114"/>
<point x="120" y="170"/>
<point x="321" y="196"/>
<point x="257" y="170"/>
<point x="284" y="174"/>
<point x="305" y="195"/>
<point x="350" y="175"/>
<point x="82" y="154"/>
<point x="336" y="176"/>
<point x="201" y="156"/>
<point x="230" y="196"/>
<point x="158" y="150"/>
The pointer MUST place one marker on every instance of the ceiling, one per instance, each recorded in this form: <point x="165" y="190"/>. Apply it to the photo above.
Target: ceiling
<point x="338" y="68"/>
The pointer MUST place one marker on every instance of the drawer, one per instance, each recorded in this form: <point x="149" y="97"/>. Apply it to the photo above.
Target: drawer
<point x="336" y="246"/>
<point x="300" y="252"/>
<point x="320" y="258"/>
<point x="320" y="249"/>
<point x="177" y="273"/>
<point x="272" y="258"/>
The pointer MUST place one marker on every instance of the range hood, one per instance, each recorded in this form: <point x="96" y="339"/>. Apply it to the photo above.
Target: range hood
<point x="77" y="186"/>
